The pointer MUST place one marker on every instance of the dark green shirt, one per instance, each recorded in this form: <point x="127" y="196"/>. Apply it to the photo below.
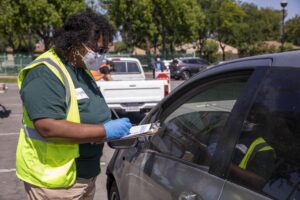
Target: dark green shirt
<point x="43" y="95"/>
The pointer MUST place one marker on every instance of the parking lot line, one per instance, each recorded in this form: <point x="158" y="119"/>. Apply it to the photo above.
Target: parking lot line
<point x="7" y="170"/>
<point x="8" y="134"/>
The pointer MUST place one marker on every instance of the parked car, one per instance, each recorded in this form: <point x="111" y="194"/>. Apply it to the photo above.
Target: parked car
<point x="201" y="150"/>
<point x="186" y="67"/>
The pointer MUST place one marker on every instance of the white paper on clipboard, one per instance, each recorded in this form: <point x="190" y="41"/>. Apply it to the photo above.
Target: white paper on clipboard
<point x="137" y="131"/>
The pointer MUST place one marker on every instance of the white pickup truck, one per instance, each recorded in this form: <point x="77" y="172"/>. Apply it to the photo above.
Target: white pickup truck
<point x="129" y="91"/>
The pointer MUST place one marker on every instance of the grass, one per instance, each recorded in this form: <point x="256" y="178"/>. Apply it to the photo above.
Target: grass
<point x="8" y="79"/>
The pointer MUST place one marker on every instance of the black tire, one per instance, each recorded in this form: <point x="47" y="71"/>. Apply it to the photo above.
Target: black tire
<point x="114" y="192"/>
<point x="176" y="77"/>
<point x="186" y="75"/>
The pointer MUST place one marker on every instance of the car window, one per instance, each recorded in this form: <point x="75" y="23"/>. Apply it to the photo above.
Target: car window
<point x="266" y="157"/>
<point x="192" y="130"/>
<point x="133" y="67"/>
<point x="202" y="62"/>
<point x="119" y="67"/>
<point x="186" y="61"/>
<point x="193" y="61"/>
<point x="175" y="61"/>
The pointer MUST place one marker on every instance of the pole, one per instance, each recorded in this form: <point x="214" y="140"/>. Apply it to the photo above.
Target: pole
<point x="283" y="4"/>
<point x="282" y="31"/>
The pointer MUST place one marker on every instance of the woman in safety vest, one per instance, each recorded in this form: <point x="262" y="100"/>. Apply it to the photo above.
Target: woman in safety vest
<point x="65" y="117"/>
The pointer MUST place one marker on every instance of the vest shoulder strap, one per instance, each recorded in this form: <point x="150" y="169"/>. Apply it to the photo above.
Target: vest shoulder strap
<point x="257" y="145"/>
<point x="61" y="76"/>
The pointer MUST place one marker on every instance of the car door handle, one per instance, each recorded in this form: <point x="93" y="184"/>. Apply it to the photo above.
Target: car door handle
<point x="189" y="196"/>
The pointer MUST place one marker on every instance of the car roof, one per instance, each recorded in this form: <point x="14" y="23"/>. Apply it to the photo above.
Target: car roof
<point x="188" y="58"/>
<point x="123" y="59"/>
<point x="284" y="59"/>
<point x="289" y="58"/>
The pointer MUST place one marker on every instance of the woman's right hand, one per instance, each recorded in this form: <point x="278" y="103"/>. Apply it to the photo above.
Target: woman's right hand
<point x="117" y="128"/>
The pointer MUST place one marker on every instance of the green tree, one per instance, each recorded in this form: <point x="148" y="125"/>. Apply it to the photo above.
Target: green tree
<point x="253" y="25"/>
<point x="260" y="25"/>
<point x="156" y="22"/>
<point x="9" y="29"/>
<point x="210" y="50"/>
<point x="228" y="23"/>
<point x="270" y="23"/>
<point x="134" y="20"/>
<point x="204" y="32"/>
<point x="292" y="30"/>
<point x="23" y="21"/>
<point x="120" y="47"/>
<point x="181" y="25"/>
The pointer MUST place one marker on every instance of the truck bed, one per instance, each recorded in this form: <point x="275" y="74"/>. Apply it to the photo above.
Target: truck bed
<point x="132" y="96"/>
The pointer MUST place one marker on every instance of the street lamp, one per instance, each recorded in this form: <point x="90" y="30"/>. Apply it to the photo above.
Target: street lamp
<point x="283" y="4"/>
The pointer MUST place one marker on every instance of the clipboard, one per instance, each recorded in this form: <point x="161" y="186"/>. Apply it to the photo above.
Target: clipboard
<point x="142" y="130"/>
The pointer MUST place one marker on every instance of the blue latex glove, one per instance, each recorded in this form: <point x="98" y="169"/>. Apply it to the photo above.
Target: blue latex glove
<point x="117" y="128"/>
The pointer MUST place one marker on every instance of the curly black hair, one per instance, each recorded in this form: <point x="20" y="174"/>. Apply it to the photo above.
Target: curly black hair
<point x="84" y="27"/>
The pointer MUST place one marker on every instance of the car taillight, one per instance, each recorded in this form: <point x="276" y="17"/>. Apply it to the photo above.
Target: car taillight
<point x="166" y="90"/>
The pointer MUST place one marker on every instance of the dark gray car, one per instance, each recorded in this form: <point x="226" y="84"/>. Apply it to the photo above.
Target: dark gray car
<point x="186" y="67"/>
<point x="230" y="132"/>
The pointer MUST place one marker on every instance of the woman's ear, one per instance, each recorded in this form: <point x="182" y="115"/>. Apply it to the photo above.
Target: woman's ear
<point x="76" y="56"/>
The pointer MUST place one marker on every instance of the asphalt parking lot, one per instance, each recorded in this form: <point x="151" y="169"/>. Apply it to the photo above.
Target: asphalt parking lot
<point x="10" y="123"/>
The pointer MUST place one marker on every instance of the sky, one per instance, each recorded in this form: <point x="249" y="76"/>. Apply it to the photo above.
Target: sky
<point x="293" y="7"/>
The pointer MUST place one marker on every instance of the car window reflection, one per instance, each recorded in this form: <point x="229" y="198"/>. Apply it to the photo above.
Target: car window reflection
<point x="191" y="132"/>
<point x="275" y="118"/>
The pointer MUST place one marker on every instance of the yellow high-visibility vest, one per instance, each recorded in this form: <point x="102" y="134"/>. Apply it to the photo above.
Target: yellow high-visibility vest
<point x="257" y="145"/>
<point x="48" y="163"/>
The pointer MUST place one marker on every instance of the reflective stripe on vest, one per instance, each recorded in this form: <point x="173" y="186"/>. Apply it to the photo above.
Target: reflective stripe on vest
<point x="33" y="134"/>
<point x="257" y="145"/>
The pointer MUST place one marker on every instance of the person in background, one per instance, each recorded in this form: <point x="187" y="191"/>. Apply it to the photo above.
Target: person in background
<point x="105" y="70"/>
<point x="151" y="65"/>
<point x="65" y="118"/>
<point x="159" y="65"/>
<point x="156" y="65"/>
<point x="103" y="73"/>
<point x="254" y="158"/>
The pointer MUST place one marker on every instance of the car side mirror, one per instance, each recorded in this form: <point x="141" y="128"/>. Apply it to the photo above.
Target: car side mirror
<point x="123" y="144"/>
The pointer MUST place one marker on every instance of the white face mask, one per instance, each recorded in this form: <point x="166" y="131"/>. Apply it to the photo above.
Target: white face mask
<point x="93" y="60"/>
